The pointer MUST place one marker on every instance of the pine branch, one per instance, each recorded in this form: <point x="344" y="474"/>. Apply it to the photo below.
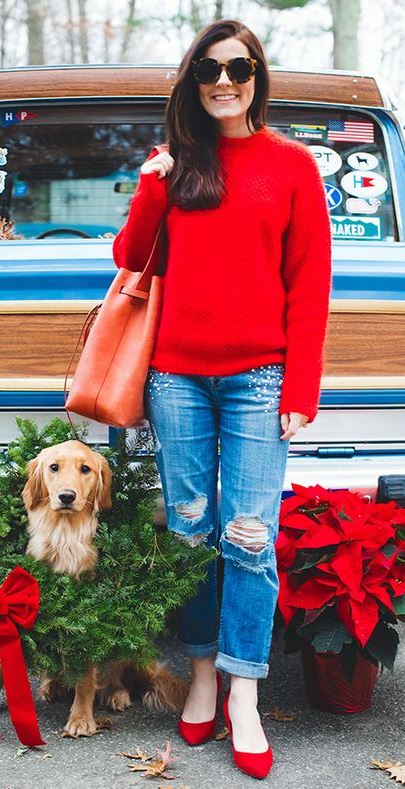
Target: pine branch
<point x="141" y="574"/>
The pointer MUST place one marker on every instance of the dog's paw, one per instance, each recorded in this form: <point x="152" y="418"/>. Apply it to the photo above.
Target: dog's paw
<point x="80" y="727"/>
<point x="118" y="700"/>
<point x="51" y="690"/>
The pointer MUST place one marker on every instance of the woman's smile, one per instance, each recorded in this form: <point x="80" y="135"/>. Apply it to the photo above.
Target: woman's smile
<point x="225" y="97"/>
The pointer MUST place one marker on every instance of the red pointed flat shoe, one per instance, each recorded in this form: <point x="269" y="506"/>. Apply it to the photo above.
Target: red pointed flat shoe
<point x="197" y="733"/>
<point x="258" y="765"/>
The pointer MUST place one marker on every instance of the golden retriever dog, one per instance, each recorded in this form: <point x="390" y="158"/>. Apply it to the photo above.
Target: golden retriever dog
<point x="67" y="485"/>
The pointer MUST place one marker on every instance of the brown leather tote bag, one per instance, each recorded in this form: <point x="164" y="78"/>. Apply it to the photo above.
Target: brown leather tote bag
<point x="119" y="338"/>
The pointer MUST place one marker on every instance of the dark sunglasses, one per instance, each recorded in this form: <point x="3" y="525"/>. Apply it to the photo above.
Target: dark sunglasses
<point x="208" y="70"/>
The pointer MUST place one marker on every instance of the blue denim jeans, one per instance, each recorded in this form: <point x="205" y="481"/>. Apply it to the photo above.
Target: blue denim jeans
<point x="205" y="427"/>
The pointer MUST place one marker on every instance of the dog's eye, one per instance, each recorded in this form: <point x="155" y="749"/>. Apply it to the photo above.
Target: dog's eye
<point x="85" y="469"/>
<point x="54" y="466"/>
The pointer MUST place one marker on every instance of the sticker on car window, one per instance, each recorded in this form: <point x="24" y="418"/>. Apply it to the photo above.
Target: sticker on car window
<point x="308" y="132"/>
<point x="364" y="184"/>
<point x="350" y="131"/>
<point x="362" y="205"/>
<point x="334" y="196"/>
<point x="362" y="160"/>
<point x="356" y="228"/>
<point x="9" y="117"/>
<point x="328" y="160"/>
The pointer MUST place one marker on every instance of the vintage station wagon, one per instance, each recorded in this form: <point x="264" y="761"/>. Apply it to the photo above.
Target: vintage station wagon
<point x="72" y="140"/>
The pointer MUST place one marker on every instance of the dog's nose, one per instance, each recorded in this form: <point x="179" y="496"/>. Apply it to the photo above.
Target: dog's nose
<point x="67" y="496"/>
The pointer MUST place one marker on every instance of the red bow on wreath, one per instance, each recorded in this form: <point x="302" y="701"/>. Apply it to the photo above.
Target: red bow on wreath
<point x="19" y="605"/>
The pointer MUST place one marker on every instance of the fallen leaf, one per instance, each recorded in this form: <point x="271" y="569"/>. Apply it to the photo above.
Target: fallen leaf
<point x="278" y="714"/>
<point x="22" y="750"/>
<point x="397" y="772"/>
<point x="222" y="735"/>
<point x="377" y="764"/>
<point x="138" y="755"/>
<point x="166" y="755"/>
<point x="156" y="768"/>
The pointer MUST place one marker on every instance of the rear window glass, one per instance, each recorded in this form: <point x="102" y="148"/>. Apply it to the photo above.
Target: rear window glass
<point x="350" y="153"/>
<point x="71" y="171"/>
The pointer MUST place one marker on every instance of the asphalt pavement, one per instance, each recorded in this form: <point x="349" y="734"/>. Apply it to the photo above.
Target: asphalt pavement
<point x="314" y="750"/>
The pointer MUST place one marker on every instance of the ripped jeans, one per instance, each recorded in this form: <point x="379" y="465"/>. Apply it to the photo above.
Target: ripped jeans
<point x="189" y="415"/>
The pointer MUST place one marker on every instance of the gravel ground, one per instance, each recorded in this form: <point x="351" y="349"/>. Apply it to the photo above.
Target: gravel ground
<point x="317" y="749"/>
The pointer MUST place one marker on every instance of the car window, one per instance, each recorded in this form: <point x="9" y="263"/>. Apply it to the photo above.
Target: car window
<point x="350" y="152"/>
<point x="70" y="171"/>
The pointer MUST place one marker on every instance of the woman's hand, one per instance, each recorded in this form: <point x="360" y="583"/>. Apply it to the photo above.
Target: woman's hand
<point x="291" y="423"/>
<point x="162" y="164"/>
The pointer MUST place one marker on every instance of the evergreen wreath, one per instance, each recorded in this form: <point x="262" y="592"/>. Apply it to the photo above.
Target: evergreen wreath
<point x="142" y="573"/>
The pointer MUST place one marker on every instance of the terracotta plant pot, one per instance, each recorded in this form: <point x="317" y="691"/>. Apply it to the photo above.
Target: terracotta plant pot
<point x="328" y="688"/>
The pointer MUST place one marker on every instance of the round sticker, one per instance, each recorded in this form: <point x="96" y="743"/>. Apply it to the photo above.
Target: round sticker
<point x="362" y="161"/>
<point x="364" y="184"/>
<point x="334" y="196"/>
<point x="328" y="161"/>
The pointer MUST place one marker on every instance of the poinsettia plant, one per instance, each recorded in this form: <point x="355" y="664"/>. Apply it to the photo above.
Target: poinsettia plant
<point x="341" y="564"/>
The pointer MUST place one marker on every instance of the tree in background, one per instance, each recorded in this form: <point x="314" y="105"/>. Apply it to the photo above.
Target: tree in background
<point x="282" y="5"/>
<point x="128" y="31"/>
<point x="68" y="22"/>
<point x="83" y="31"/>
<point x="219" y="9"/>
<point x="70" y="30"/>
<point x="393" y="49"/>
<point x="274" y="6"/>
<point x="7" y="9"/>
<point x="35" y="26"/>
<point x="74" y="31"/>
<point x="345" y="27"/>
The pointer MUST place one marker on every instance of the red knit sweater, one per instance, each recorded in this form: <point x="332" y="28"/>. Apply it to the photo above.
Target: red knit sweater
<point x="247" y="283"/>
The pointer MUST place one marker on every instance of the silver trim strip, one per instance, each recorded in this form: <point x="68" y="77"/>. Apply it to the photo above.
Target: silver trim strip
<point x="364" y="382"/>
<point x="39" y="306"/>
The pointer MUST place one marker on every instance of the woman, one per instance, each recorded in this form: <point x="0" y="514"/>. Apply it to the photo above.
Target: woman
<point x="238" y="356"/>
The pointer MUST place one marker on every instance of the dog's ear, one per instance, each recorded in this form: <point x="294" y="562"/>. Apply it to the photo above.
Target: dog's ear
<point x="102" y="498"/>
<point x="34" y="490"/>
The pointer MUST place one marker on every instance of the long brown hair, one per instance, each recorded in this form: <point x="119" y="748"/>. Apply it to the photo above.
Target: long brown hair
<point x="196" y="180"/>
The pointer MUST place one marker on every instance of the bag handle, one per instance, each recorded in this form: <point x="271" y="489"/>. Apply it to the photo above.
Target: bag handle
<point x="145" y="280"/>
<point x="141" y="291"/>
<point x="89" y="319"/>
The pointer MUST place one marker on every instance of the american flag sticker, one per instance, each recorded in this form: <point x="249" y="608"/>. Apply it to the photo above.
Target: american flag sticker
<point x="351" y="131"/>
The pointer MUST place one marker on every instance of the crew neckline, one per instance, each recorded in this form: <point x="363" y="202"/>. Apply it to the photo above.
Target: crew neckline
<point x="242" y="142"/>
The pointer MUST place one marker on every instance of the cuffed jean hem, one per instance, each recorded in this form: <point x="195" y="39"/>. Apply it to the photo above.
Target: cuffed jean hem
<point x="241" y="668"/>
<point x="199" y="650"/>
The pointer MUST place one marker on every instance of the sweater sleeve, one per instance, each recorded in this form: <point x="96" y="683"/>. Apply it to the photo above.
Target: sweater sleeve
<point x="307" y="280"/>
<point x="133" y="244"/>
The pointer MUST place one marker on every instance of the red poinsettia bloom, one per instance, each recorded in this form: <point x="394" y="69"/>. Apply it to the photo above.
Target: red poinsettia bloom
<point x="334" y="547"/>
